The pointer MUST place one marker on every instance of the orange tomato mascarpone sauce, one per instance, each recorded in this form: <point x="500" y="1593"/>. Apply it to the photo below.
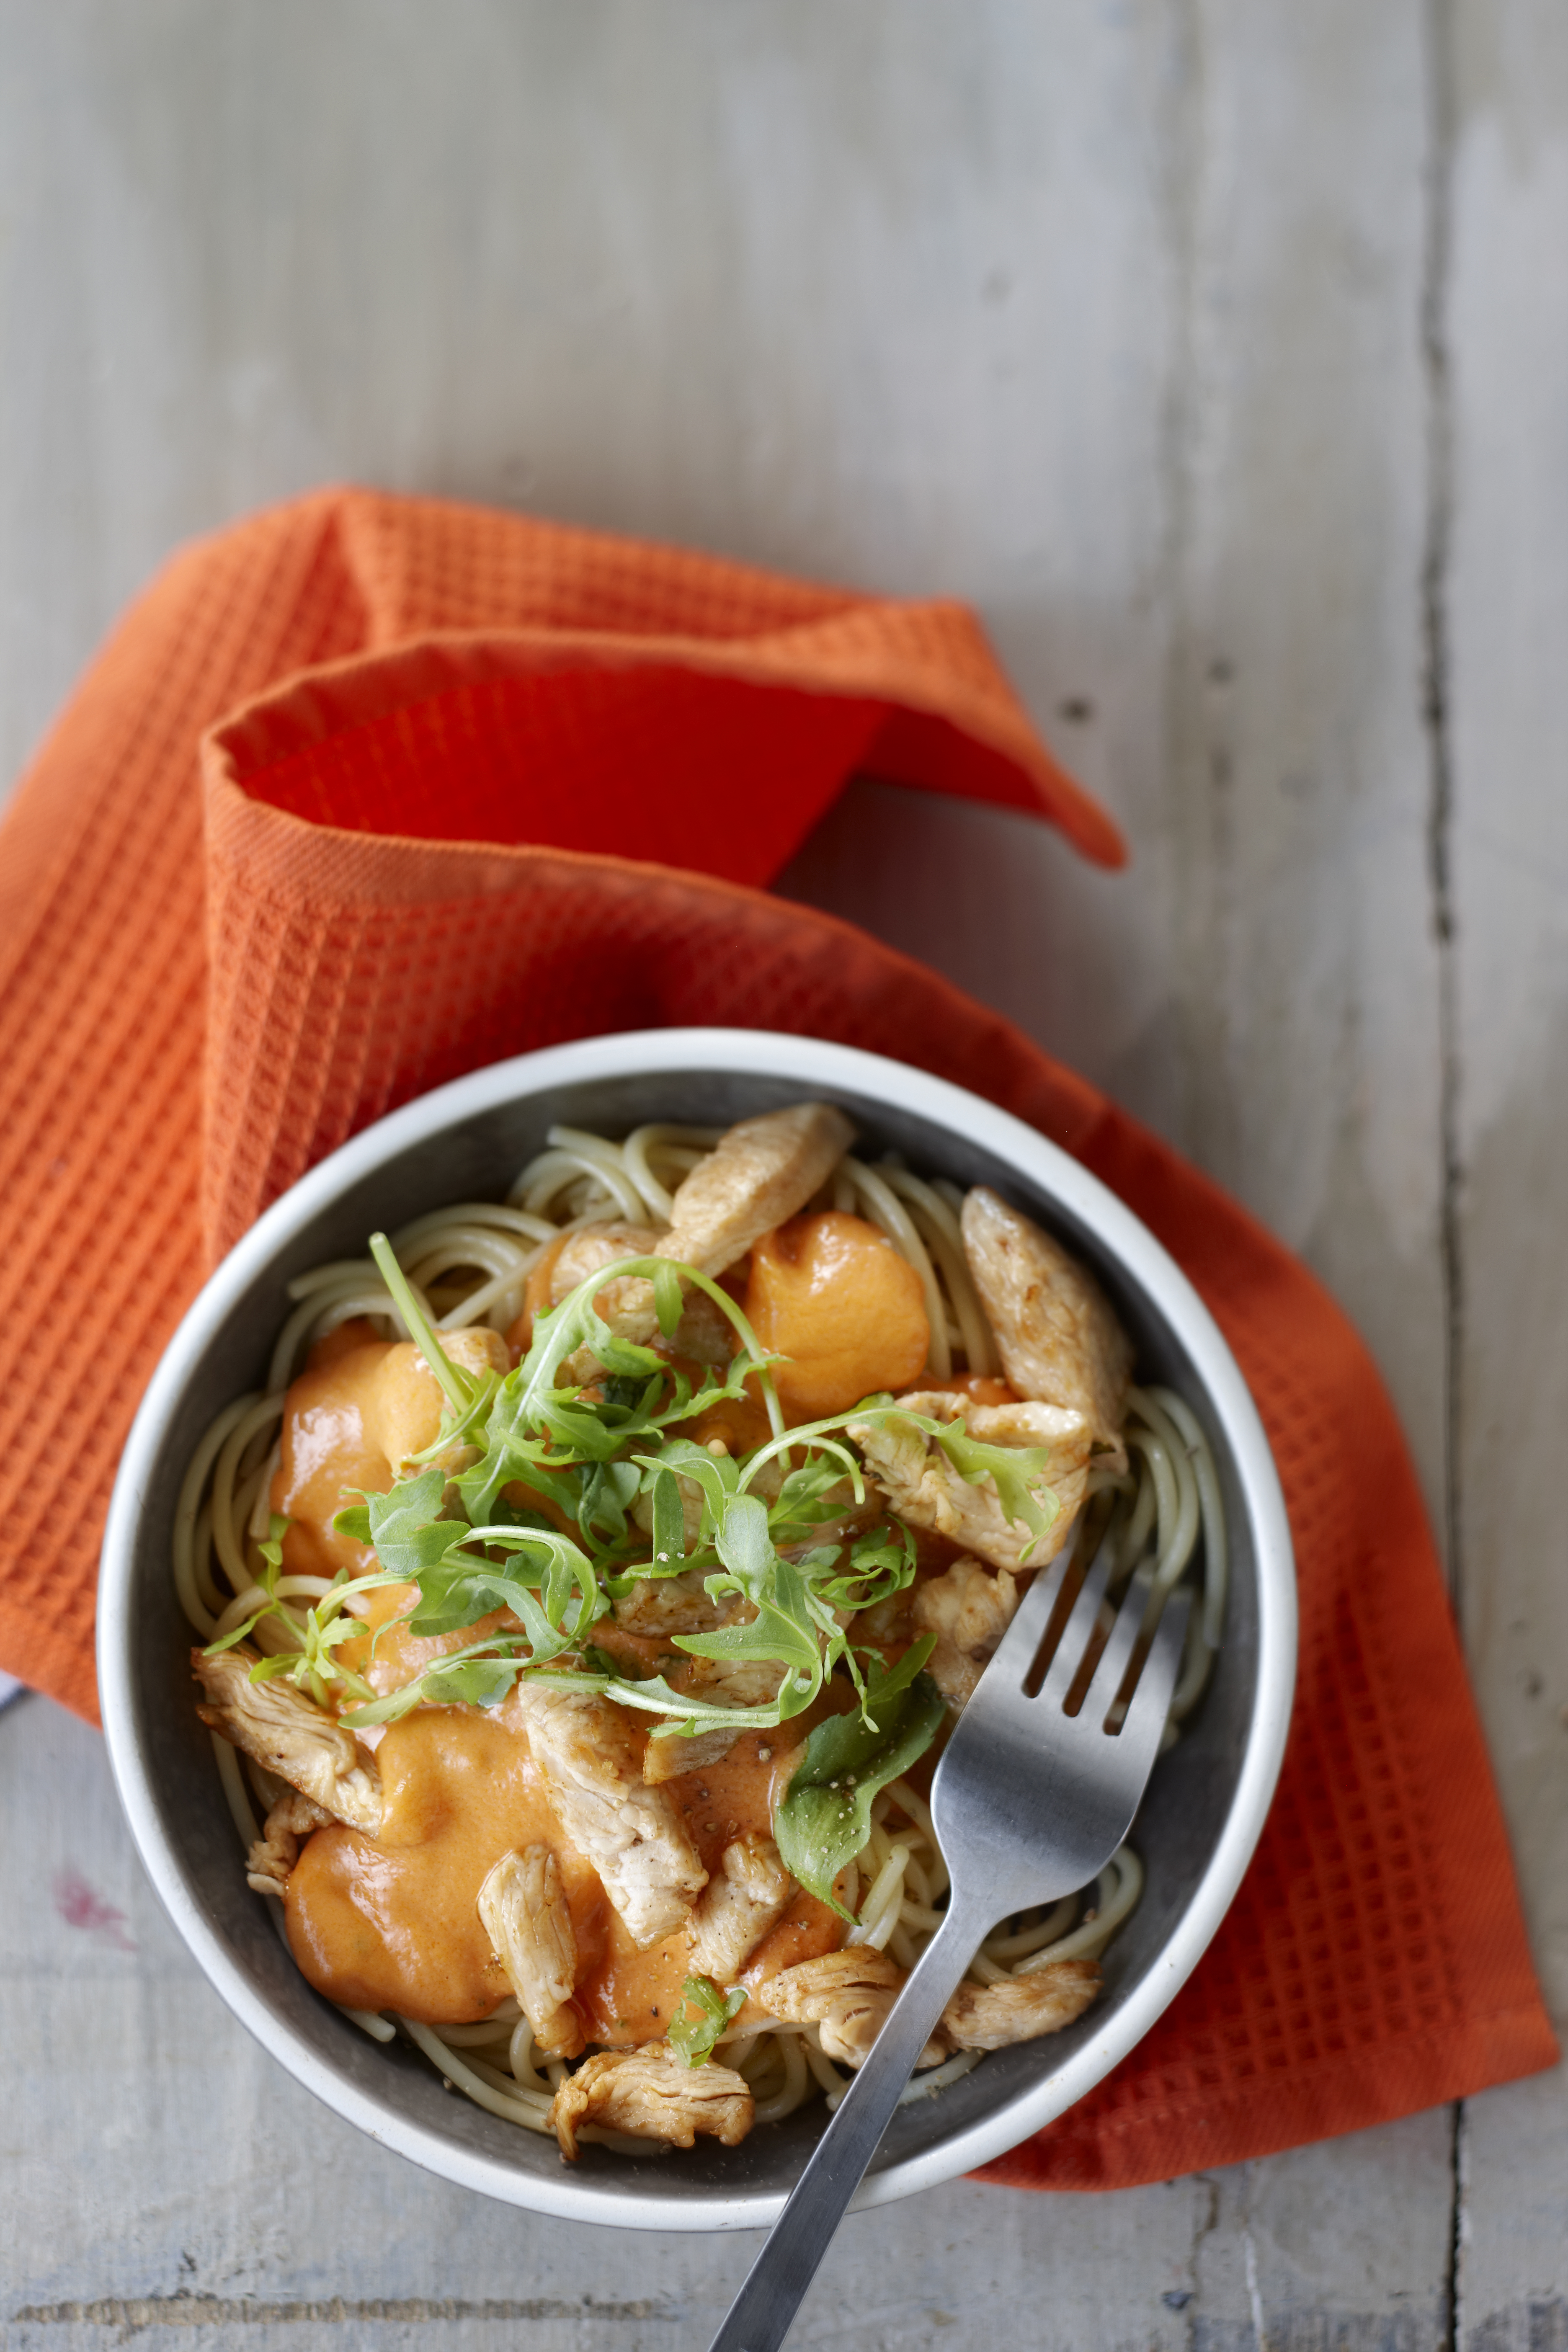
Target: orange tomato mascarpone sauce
<point x="393" y="1922"/>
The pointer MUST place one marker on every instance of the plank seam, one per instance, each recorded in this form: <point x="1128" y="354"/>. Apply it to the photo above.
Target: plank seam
<point x="224" y="2310"/>
<point x="1436" y="712"/>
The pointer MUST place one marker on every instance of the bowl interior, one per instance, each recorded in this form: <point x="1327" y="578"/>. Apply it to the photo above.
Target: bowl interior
<point x="478" y="1156"/>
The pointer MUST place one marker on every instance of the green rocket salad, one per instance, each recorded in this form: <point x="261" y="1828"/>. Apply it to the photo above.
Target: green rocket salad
<point x="553" y="1455"/>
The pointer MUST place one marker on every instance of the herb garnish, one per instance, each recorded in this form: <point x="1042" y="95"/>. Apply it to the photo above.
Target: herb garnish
<point x="826" y="1817"/>
<point x="576" y="1492"/>
<point x="692" y="2038"/>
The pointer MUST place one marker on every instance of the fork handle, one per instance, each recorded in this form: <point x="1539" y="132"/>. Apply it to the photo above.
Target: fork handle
<point x="759" y="2318"/>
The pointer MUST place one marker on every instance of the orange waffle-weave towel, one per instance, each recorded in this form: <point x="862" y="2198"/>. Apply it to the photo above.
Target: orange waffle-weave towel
<point x="457" y="771"/>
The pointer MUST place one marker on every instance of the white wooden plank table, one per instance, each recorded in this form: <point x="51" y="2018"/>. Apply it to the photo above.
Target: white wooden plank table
<point x="1218" y="350"/>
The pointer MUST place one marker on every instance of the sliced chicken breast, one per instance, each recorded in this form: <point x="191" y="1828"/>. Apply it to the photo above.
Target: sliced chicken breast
<point x="736" y="1910"/>
<point x="1056" y="1333"/>
<point x="630" y="1833"/>
<point x="652" y="2095"/>
<point x="284" y="1729"/>
<point x="522" y="1903"/>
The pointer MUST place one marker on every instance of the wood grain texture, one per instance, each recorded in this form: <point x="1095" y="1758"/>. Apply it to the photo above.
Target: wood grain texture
<point x="1107" y="315"/>
<point x="1508" y="625"/>
<point x="1262" y="986"/>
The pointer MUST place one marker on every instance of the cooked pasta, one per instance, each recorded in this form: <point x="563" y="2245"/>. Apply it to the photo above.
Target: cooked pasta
<point x="1148" y="1499"/>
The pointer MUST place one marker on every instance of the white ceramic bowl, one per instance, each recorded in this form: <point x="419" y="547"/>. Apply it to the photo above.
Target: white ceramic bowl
<point x="1200" y="1821"/>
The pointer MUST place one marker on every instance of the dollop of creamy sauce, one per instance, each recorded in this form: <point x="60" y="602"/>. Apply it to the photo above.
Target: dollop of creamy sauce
<point x="832" y="1296"/>
<point x="328" y="1451"/>
<point x="393" y="1922"/>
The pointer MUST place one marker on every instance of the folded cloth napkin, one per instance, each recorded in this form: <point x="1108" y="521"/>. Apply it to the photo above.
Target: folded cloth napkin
<point x="421" y="730"/>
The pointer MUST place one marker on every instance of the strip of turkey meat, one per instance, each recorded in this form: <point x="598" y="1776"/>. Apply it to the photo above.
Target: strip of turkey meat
<point x="285" y="1730"/>
<point x="523" y="1906"/>
<point x="737" y="1908"/>
<point x="631" y="1833"/>
<point x="927" y="1491"/>
<point x="651" y="2094"/>
<point x="760" y="1173"/>
<point x="846" y="1995"/>
<point x="1057" y="1332"/>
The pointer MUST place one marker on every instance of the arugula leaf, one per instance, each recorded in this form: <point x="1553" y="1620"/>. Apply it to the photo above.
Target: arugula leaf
<point x="715" y="1476"/>
<point x="881" y="1563"/>
<point x="788" y="1627"/>
<point x="390" y="1709"/>
<point x="459" y="1387"/>
<point x="479" y="1682"/>
<point x="1019" y="1471"/>
<point x="687" y="1716"/>
<point x="309" y="1663"/>
<point x="609" y="1489"/>
<point x="457" y="1592"/>
<point x="889" y="1683"/>
<point x="744" y="1545"/>
<point x="581" y="1425"/>
<point x="354" y="1520"/>
<point x="539" y="1435"/>
<point x="598" y="1427"/>
<point x="812" y="1433"/>
<point x="215" y="1649"/>
<point x="444" y="1674"/>
<point x="692" y="2039"/>
<point x="272" y="1554"/>
<point x="515" y="1455"/>
<point x="808" y="1495"/>
<point x="312" y="1665"/>
<point x="465" y="1429"/>
<point x="519" y="1514"/>
<point x="599" y="1661"/>
<point x="577" y="1323"/>
<point x="826" y="1817"/>
<point x="546" y="1562"/>
<point x="684" y="1401"/>
<point x="457" y="1585"/>
<point x="668" y="1523"/>
<point x="406" y="1527"/>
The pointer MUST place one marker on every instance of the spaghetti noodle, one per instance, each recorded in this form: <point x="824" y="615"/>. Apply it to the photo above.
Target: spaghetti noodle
<point x="1152" y="1510"/>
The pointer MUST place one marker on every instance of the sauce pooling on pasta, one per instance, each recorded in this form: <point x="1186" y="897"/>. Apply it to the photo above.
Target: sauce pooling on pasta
<point x="832" y="1296"/>
<point x="392" y="1922"/>
<point x="614" y="1533"/>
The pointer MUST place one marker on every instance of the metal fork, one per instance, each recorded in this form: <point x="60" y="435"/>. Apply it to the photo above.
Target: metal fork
<point x="1029" y="1803"/>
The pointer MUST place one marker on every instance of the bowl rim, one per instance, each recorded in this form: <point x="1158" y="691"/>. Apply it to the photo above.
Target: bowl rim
<point x="808" y="1062"/>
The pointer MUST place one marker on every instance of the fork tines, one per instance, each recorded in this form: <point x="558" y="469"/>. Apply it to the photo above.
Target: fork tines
<point x="1072" y="1655"/>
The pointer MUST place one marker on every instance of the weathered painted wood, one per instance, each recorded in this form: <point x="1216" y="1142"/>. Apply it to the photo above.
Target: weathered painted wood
<point x="1346" y="2244"/>
<point x="1262" y="984"/>
<point x="870" y="294"/>
<point x="1507" y="327"/>
<point x="1109" y="318"/>
<point x="1072" y="310"/>
<point x="1289" y="1037"/>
